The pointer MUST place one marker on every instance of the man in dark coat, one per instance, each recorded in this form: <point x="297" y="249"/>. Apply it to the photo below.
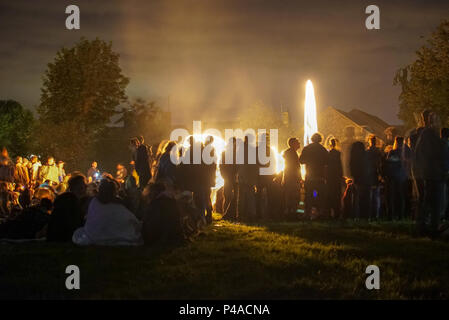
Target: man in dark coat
<point x="358" y="166"/>
<point x="431" y="159"/>
<point x="374" y="163"/>
<point x="316" y="158"/>
<point x="291" y="177"/>
<point x="228" y="170"/>
<point x="334" y="179"/>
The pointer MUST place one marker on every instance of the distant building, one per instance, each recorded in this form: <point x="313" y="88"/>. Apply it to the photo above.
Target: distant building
<point x="332" y="123"/>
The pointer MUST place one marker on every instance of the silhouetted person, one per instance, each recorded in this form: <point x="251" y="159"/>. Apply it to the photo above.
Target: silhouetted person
<point x="21" y="173"/>
<point x="358" y="165"/>
<point x="445" y="138"/>
<point x="417" y="179"/>
<point x="166" y="169"/>
<point x="161" y="220"/>
<point x="141" y="162"/>
<point x="228" y="170"/>
<point x="61" y="171"/>
<point x="432" y="163"/>
<point x="6" y="167"/>
<point x="194" y="177"/>
<point x="69" y="211"/>
<point x="316" y="158"/>
<point x="29" y="223"/>
<point x="398" y="162"/>
<point x="390" y="136"/>
<point x="209" y="176"/>
<point x="374" y="165"/>
<point x="50" y="172"/>
<point x="247" y="180"/>
<point x="291" y="176"/>
<point x="334" y="179"/>
<point x="34" y="171"/>
<point x="265" y="193"/>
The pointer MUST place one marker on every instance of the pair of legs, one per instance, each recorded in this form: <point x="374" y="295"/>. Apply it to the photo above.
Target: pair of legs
<point x="431" y="204"/>
<point x="229" y="200"/>
<point x="246" y="202"/>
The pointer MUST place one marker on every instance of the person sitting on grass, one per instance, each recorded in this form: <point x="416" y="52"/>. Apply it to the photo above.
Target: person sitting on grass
<point x="68" y="214"/>
<point x="161" y="219"/>
<point x="108" y="221"/>
<point x="29" y="224"/>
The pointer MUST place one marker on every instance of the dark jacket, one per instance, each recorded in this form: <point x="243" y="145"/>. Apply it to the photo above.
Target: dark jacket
<point x="66" y="217"/>
<point x="335" y="169"/>
<point x="316" y="158"/>
<point x="431" y="156"/>
<point x="358" y="164"/>
<point x="374" y="162"/>
<point x="162" y="222"/>
<point x="142" y="163"/>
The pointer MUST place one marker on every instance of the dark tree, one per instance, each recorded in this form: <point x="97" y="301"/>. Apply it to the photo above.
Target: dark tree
<point x="425" y="82"/>
<point x="81" y="91"/>
<point x="16" y="128"/>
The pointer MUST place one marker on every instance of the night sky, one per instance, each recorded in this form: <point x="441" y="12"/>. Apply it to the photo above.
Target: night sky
<point x="212" y="58"/>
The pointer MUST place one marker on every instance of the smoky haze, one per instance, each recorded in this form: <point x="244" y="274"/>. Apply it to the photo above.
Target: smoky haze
<point x="210" y="59"/>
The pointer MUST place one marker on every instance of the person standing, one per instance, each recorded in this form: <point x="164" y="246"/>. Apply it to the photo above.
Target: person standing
<point x="374" y="165"/>
<point x="398" y="162"/>
<point x="431" y="157"/>
<point x="69" y="210"/>
<point x="247" y="180"/>
<point x="6" y="167"/>
<point x="50" y="172"/>
<point x="93" y="173"/>
<point x="27" y="166"/>
<point x="445" y="137"/>
<point x="228" y="170"/>
<point x="61" y="171"/>
<point x="20" y="174"/>
<point x="358" y="165"/>
<point x="35" y="168"/>
<point x="141" y="162"/>
<point x="291" y="176"/>
<point x="334" y="180"/>
<point x="209" y="172"/>
<point x="316" y="159"/>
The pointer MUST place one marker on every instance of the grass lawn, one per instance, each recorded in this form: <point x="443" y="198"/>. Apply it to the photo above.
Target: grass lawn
<point x="294" y="260"/>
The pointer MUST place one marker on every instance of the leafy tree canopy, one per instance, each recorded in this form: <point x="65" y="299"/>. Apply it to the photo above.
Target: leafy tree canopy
<point x="425" y="82"/>
<point x="81" y="90"/>
<point x="16" y="128"/>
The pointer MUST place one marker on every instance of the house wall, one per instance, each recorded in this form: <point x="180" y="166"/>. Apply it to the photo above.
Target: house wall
<point x="332" y="123"/>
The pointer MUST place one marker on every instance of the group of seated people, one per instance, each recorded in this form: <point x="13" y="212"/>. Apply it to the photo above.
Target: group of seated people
<point x="98" y="214"/>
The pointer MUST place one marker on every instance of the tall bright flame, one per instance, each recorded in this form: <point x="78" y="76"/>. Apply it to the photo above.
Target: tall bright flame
<point x="310" y="122"/>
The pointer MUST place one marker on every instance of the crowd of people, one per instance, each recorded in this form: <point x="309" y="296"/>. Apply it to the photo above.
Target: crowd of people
<point x="405" y="180"/>
<point x="156" y="200"/>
